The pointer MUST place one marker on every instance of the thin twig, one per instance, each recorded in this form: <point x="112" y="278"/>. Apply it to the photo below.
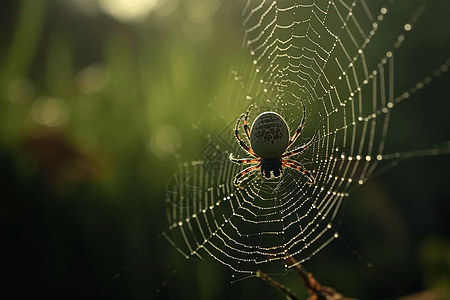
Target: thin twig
<point x="315" y="289"/>
<point x="289" y="295"/>
<point x="318" y="292"/>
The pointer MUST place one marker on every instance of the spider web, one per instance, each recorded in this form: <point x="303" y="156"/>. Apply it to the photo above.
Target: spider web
<point x="339" y="57"/>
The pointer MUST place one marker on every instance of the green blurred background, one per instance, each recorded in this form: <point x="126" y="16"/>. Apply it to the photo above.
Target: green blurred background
<point x="96" y="106"/>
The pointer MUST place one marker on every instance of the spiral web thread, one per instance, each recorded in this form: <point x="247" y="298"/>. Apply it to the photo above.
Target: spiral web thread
<point x="324" y="53"/>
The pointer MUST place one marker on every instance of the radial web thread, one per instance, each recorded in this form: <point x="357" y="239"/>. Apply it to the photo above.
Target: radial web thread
<point x="321" y="52"/>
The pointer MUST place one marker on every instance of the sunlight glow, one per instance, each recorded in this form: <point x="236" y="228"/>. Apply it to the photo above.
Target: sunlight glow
<point x="128" y="10"/>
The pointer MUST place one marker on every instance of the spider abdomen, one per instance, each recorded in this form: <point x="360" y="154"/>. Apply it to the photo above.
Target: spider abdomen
<point x="269" y="135"/>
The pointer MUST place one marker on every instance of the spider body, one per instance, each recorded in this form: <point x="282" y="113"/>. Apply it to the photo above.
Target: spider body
<point x="269" y="140"/>
<point x="269" y="136"/>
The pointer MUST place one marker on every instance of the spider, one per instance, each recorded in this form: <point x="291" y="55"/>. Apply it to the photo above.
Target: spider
<point x="269" y="140"/>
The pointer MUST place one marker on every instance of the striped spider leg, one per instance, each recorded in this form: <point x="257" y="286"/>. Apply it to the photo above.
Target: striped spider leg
<point x="256" y="160"/>
<point x="298" y="166"/>
<point x="300" y="127"/>
<point x="300" y="148"/>
<point x="247" y="131"/>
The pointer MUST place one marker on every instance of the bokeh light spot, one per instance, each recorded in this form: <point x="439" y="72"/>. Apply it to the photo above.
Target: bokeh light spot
<point x="93" y="79"/>
<point x="202" y="11"/>
<point x="128" y="10"/>
<point x="165" y="141"/>
<point x="51" y="112"/>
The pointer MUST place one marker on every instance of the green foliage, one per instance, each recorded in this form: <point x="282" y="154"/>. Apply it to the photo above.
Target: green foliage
<point x="96" y="115"/>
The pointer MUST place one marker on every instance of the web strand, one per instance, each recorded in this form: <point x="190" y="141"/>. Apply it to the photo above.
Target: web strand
<point x="311" y="52"/>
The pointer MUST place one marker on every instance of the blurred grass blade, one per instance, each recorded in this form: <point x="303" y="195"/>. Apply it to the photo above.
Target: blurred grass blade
<point x="29" y="27"/>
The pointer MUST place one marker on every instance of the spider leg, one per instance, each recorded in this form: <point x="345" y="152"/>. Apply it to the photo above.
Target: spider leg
<point x="243" y="172"/>
<point x="247" y="130"/>
<point x="244" y="160"/>
<point x="299" y="129"/>
<point x="300" y="148"/>
<point x="297" y="166"/>
<point x="241" y="142"/>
